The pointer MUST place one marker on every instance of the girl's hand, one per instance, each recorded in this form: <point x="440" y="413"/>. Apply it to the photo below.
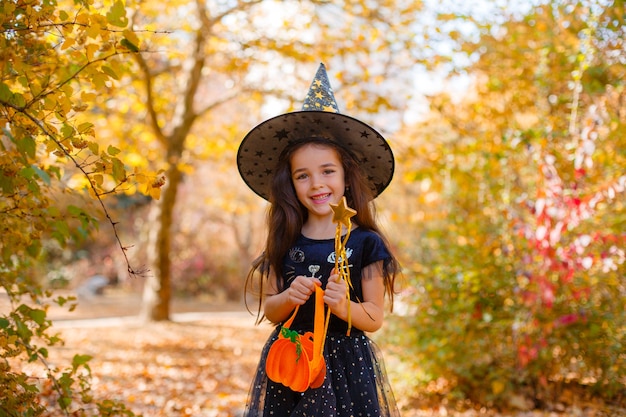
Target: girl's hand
<point x="335" y="295"/>
<point x="301" y="289"/>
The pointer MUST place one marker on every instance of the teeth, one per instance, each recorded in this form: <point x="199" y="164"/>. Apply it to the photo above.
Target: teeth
<point x="320" y="197"/>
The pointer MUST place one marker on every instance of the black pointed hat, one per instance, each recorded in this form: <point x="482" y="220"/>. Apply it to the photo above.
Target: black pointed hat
<point x="319" y="117"/>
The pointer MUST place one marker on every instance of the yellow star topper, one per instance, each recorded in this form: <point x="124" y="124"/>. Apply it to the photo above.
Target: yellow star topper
<point x="342" y="213"/>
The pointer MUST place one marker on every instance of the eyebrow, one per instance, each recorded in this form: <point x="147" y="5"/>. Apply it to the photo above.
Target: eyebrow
<point x="326" y="165"/>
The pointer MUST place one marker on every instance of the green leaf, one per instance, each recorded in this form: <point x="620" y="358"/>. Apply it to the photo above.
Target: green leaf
<point x="67" y="130"/>
<point x="65" y="402"/>
<point x="5" y="93"/>
<point x="112" y="150"/>
<point x="38" y="316"/>
<point x="83" y="216"/>
<point x="108" y="70"/>
<point x="27" y="172"/>
<point x="56" y="171"/>
<point x="63" y="229"/>
<point x="61" y="301"/>
<point x="4" y="323"/>
<point x="84" y="127"/>
<point x="93" y="147"/>
<point x="117" y="15"/>
<point x="6" y="184"/>
<point x="27" y="146"/>
<point x="74" y="211"/>
<point x="80" y="360"/>
<point x="42" y="174"/>
<point x="23" y="331"/>
<point x="34" y="249"/>
<point x="128" y="44"/>
<point x="43" y="352"/>
<point x="18" y="100"/>
<point x="119" y="172"/>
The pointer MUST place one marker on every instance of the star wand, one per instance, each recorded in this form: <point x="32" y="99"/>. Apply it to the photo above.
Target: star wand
<point x="342" y="215"/>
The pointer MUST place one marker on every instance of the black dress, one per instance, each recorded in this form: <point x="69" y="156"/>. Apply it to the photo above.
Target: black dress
<point x="356" y="382"/>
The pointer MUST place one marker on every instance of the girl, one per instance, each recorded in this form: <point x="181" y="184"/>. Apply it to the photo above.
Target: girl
<point x="302" y="162"/>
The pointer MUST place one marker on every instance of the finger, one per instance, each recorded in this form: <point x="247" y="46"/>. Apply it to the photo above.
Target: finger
<point x="303" y="284"/>
<point x="333" y="301"/>
<point x="329" y="300"/>
<point x="333" y="286"/>
<point x="300" y="293"/>
<point x="338" y="284"/>
<point x="334" y="278"/>
<point x="310" y="286"/>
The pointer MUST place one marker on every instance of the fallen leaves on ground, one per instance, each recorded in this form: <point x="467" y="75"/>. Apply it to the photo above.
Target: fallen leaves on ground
<point x="201" y="368"/>
<point x="200" y="365"/>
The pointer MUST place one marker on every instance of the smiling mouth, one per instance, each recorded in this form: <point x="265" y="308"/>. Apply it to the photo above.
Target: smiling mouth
<point x="320" y="197"/>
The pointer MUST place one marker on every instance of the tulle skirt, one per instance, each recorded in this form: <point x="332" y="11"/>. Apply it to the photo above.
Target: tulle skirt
<point x="356" y="384"/>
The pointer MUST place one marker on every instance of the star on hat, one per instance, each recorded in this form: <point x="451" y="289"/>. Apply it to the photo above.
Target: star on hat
<point x="320" y="96"/>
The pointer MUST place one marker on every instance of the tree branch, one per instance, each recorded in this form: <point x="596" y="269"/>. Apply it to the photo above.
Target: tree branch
<point x="87" y="175"/>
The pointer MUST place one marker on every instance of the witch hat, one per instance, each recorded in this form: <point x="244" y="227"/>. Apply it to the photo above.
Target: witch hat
<point x="259" y="150"/>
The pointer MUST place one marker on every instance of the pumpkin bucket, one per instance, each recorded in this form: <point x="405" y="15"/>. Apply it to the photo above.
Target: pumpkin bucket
<point x="296" y="360"/>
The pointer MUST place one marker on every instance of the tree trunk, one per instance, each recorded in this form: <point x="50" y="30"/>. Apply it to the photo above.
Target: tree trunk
<point x="157" y="288"/>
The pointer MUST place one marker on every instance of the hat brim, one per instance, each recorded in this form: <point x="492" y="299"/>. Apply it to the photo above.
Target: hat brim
<point x="261" y="147"/>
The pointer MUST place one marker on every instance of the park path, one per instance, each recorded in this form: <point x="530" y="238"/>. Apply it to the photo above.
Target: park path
<point x="124" y="304"/>
<point x="230" y="317"/>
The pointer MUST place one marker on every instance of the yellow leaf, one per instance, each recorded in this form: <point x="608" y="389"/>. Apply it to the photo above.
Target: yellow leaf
<point x="83" y="19"/>
<point x="154" y="193"/>
<point x="94" y="30"/>
<point x="85" y="127"/>
<point x="49" y="103"/>
<point x="91" y="50"/>
<point x="98" y="179"/>
<point x="68" y="43"/>
<point x="87" y="96"/>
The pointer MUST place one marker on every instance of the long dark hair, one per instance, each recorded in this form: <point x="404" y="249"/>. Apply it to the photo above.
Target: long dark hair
<point x="287" y="215"/>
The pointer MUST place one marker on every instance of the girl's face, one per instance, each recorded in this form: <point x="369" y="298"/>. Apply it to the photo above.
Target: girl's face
<point x="318" y="177"/>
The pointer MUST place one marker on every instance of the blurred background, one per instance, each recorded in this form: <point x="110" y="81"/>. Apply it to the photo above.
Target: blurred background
<point x="507" y="120"/>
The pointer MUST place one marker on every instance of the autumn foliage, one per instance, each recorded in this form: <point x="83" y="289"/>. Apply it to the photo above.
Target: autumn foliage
<point x="507" y="205"/>
<point x="55" y="59"/>
<point x="517" y="265"/>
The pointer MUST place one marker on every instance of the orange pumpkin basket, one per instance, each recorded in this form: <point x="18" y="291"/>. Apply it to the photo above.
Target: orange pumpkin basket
<point x="296" y="360"/>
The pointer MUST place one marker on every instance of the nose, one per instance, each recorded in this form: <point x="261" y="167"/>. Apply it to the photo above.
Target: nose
<point x="317" y="182"/>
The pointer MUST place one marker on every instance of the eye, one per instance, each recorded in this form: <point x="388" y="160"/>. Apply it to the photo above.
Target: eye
<point x="301" y="176"/>
<point x="329" y="171"/>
